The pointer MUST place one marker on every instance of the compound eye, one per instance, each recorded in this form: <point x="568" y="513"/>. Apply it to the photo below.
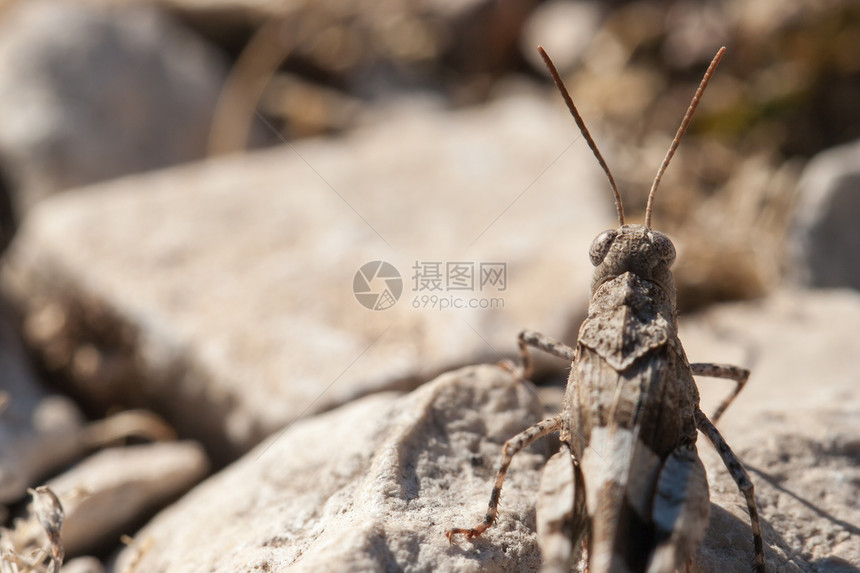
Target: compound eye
<point x="665" y="248"/>
<point x="601" y="246"/>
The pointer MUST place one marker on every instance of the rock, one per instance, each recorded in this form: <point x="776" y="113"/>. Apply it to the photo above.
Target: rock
<point x="798" y="441"/>
<point x="805" y="480"/>
<point x="221" y="294"/>
<point x="89" y="93"/>
<point x="109" y="492"/>
<point x="564" y="29"/>
<point x="372" y="485"/>
<point x="375" y="47"/>
<point x="83" y="565"/>
<point x="797" y="344"/>
<point x="826" y="237"/>
<point x="39" y="431"/>
<point x="794" y="426"/>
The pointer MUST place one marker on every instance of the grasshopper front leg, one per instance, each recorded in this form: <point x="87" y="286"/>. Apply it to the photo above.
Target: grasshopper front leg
<point x="728" y="371"/>
<point x="739" y="474"/>
<point x="512" y="447"/>
<point x="524" y="439"/>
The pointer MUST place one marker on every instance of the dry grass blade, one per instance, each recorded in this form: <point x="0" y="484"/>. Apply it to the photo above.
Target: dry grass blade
<point x="50" y="512"/>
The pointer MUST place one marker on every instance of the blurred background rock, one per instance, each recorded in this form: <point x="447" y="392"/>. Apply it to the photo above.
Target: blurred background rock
<point x="94" y="90"/>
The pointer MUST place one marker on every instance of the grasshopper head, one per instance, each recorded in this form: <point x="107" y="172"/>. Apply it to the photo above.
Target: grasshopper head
<point x="636" y="249"/>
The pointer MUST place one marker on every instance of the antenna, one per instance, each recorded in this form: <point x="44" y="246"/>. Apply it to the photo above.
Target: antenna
<point x="584" y="130"/>
<point x="681" y="130"/>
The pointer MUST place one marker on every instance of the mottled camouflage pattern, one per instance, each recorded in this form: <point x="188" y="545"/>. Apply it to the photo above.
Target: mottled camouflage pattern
<point x="630" y="406"/>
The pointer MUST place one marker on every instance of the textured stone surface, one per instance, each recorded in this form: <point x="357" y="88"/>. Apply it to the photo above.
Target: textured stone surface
<point x="221" y="293"/>
<point x="83" y="565"/>
<point x="826" y="236"/>
<point x="109" y="492"/>
<point x="805" y="470"/>
<point x="89" y="93"/>
<point x="370" y="486"/>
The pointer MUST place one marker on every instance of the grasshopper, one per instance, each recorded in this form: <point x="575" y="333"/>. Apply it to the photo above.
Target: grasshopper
<point x="628" y="431"/>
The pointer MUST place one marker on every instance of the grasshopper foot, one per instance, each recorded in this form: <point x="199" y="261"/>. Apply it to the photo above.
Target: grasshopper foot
<point x="469" y="533"/>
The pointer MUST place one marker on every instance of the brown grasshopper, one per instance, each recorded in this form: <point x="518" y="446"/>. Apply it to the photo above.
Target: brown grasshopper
<point x="631" y="409"/>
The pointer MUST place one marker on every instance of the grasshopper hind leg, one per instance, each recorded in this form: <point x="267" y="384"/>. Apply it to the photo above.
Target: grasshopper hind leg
<point x="727" y="371"/>
<point x="742" y="478"/>
<point x="680" y="510"/>
<point x="562" y="518"/>
<point x="512" y="447"/>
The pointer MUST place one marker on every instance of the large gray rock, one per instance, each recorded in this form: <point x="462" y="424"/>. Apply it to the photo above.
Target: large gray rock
<point x="89" y="93"/>
<point x="221" y="293"/>
<point x="371" y="486"/>
<point x="826" y="235"/>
